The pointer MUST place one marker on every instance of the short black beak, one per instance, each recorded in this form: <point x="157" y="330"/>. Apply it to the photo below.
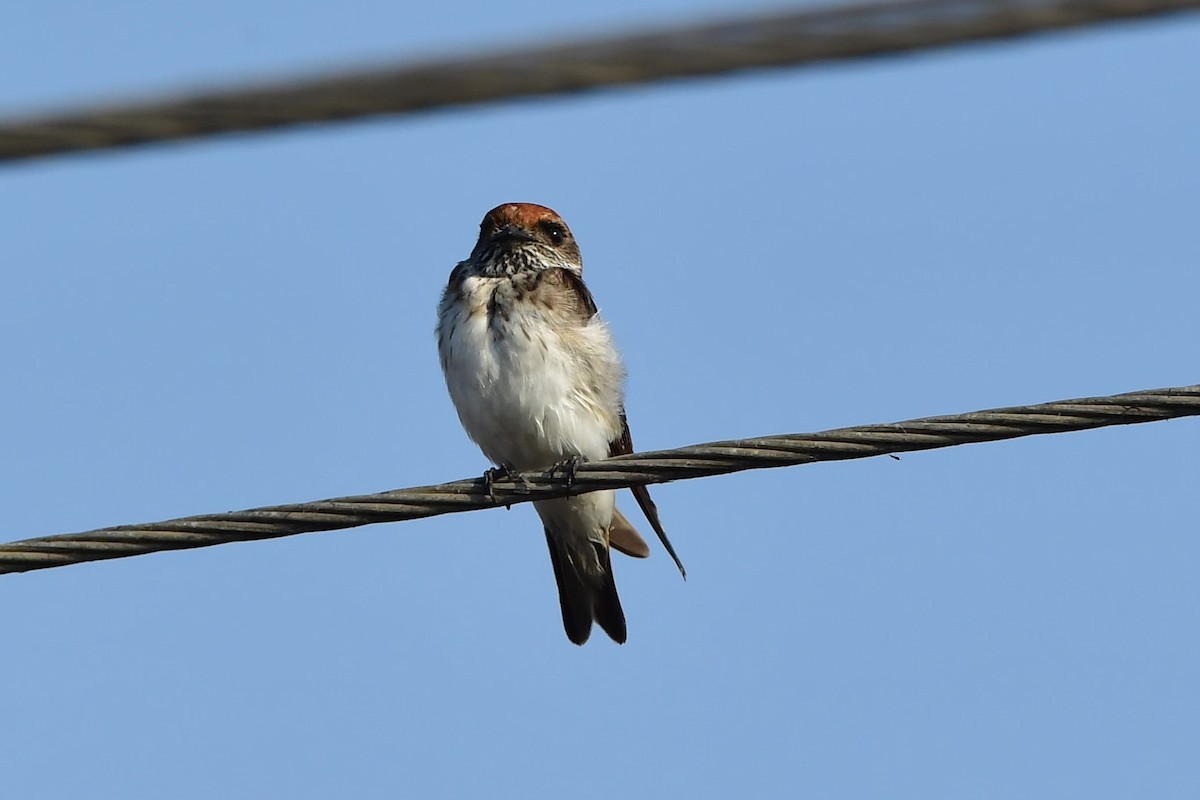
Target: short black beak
<point x="511" y="233"/>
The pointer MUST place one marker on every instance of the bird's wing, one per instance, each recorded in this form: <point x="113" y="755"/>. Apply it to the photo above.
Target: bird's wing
<point x="620" y="446"/>
<point x="584" y="308"/>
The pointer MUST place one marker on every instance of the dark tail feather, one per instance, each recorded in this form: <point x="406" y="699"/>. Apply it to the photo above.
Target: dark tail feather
<point x="585" y="597"/>
<point x="573" y="594"/>
<point x="608" y="609"/>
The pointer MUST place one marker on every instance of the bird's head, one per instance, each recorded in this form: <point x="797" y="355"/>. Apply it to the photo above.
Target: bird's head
<point x="517" y="237"/>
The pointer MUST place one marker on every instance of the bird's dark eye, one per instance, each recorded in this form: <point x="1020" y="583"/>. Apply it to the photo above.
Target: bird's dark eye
<point x="556" y="233"/>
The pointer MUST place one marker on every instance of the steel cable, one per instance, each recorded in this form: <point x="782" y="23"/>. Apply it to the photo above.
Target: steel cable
<point x="696" y="461"/>
<point x="844" y="31"/>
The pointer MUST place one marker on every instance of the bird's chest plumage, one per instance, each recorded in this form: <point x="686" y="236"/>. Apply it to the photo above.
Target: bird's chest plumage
<point x="531" y="387"/>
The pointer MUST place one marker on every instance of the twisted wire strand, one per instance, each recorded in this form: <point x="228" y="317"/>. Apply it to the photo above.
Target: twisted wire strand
<point x="838" y="32"/>
<point x="696" y="461"/>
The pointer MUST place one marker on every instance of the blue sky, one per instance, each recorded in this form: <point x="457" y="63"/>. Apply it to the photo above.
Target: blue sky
<point x="245" y="321"/>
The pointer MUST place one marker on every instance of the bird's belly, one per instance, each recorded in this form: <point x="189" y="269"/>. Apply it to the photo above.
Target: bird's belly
<point x="523" y="394"/>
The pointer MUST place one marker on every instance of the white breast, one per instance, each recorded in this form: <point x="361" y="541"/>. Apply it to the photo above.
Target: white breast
<point x="530" y="390"/>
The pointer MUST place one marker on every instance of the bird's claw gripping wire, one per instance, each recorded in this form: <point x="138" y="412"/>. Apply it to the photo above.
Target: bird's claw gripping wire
<point x="567" y="467"/>
<point x="504" y="472"/>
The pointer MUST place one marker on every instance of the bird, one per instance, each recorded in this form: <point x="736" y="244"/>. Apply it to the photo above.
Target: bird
<point x="538" y="384"/>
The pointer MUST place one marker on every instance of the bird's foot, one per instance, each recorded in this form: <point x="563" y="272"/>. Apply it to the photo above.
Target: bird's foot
<point x="504" y="472"/>
<point x="567" y="467"/>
